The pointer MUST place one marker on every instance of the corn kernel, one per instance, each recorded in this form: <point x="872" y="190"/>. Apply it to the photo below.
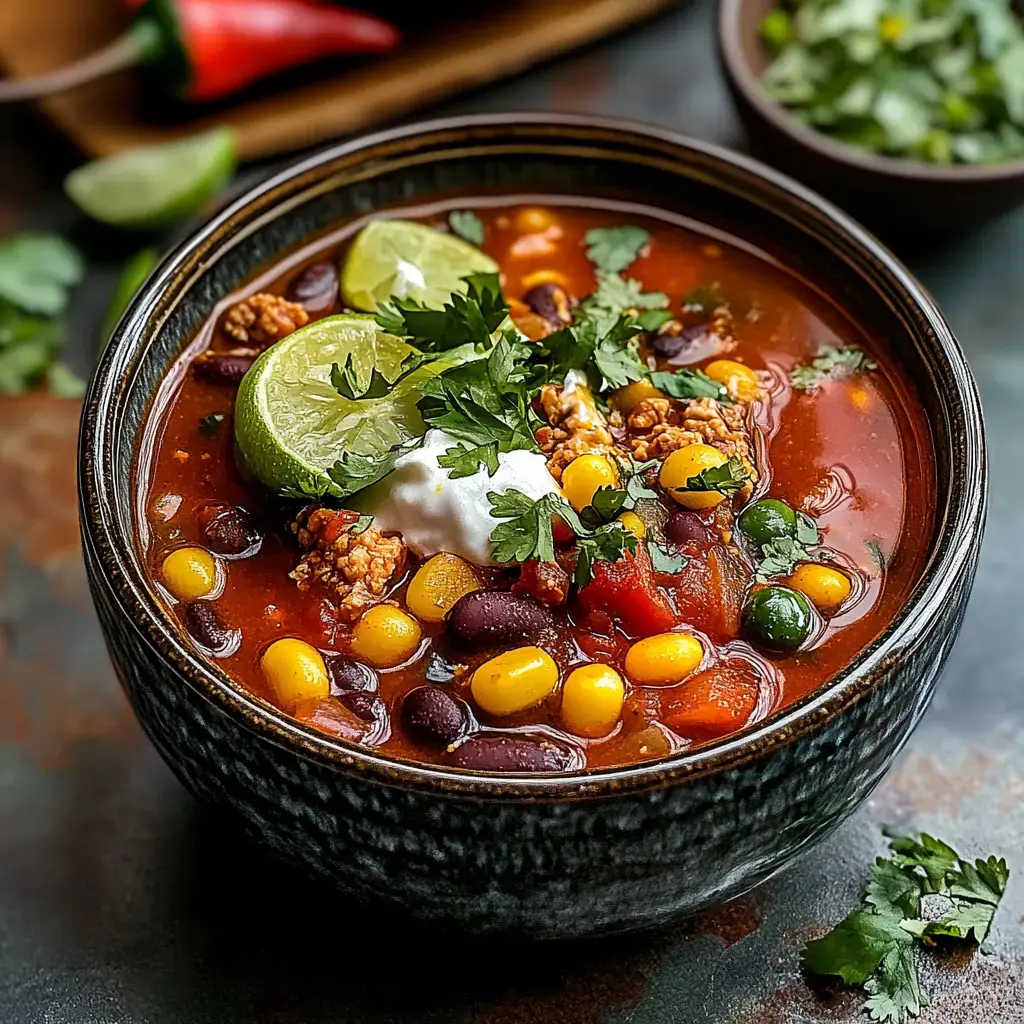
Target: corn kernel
<point x="386" y="636"/>
<point x="539" y="277"/>
<point x="626" y="399"/>
<point x="514" y="681"/>
<point x="664" y="659"/>
<point x="190" y="573"/>
<point x="685" y="463"/>
<point x="295" y="671"/>
<point x="531" y="219"/>
<point x="592" y="699"/>
<point x="740" y="381"/>
<point x="583" y="476"/>
<point x="636" y="526"/>
<point x="828" y="588"/>
<point x="860" y="399"/>
<point x="438" y="584"/>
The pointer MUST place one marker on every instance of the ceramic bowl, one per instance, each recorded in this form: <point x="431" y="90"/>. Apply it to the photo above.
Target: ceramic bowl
<point x="904" y="199"/>
<point x="543" y="856"/>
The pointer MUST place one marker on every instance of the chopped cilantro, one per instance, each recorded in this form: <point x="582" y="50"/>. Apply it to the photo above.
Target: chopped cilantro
<point x="874" y="946"/>
<point x="617" y="294"/>
<point x="831" y="363"/>
<point x="527" y="534"/>
<point x="781" y="556"/>
<point x="467" y="225"/>
<point x="361" y="525"/>
<point x="350" y="474"/>
<point x="485" y="405"/>
<point x="938" y="81"/>
<point x="346" y="382"/>
<point x="607" y="349"/>
<point x="653" y="319"/>
<point x="614" y="249"/>
<point x="729" y="478"/>
<point x="209" y="425"/>
<point x="37" y="272"/>
<point x="665" y="560"/>
<point x="473" y="317"/>
<point x="690" y="384"/>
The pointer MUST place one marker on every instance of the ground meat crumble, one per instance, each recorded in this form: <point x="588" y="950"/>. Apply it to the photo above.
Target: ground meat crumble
<point x="660" y="426"/>
<point x="263" y="319"/>
<point x="576" y="427"/>
<point x="352" y="569"/>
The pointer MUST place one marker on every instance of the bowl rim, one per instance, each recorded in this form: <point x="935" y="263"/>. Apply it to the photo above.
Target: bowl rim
<point x="731" y="19"/>
<point x="958" y="524"/>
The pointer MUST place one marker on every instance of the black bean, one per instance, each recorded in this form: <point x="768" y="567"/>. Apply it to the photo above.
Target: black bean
<point x="686" y="528"/>
<point x="365" y="706"/>
<point x="316" y="287"/>
<point x="349" y="676"/>
<point x="230" y="530"/>
<point x="682" y="346"/>
<point x="551" y="303"/>
<point x="225" y="370"/>
<point x="206" y="628"/>
<point x="492" y="618"/>
<point x="434" y="716"/>
<point x="501" y="752"/>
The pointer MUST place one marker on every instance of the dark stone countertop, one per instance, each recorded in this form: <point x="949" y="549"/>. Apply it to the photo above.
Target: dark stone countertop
<point x="123" y="902"/>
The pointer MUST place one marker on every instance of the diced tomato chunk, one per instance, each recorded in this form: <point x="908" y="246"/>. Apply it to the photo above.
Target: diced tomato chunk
<point x="712" y="703"/>
<point x="548" y="582"/>
<point x="625" y="590"/>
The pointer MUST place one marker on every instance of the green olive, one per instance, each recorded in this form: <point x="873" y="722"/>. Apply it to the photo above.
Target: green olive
<point x="777" y="619"/>
<point x="767" y="520"/>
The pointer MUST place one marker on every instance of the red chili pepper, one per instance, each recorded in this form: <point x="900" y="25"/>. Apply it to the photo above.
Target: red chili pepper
<point x="206" y="49"/>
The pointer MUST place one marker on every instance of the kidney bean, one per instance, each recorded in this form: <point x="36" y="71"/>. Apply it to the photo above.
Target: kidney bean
<point x="316" y="287"/>
<point x="551" y="303"/>
<point x="434" y="716"/>
<point x="686" y="528"/>
<point x="349" y="676"/>
<point x="492" y="618"/>
<point x="684" y="347"/>
<point x="206" y="628"/>
<point x="226" y="370"/>
<point x="501" y="752"/>
<point x="228" y="529"/>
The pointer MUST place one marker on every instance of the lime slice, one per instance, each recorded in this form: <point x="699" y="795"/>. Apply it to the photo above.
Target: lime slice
<point x="405" y="260"/>
<point x="150" y="187"/>
<point x="291" y="424"/>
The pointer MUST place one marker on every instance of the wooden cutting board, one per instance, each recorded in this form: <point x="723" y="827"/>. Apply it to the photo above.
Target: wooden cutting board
<point x="107" y="116"/>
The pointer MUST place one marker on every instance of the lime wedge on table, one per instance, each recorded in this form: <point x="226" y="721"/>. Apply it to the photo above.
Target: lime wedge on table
<point x="404" y="260"/>
<point x="149" y="187"/>
<point x="291" y="424"/>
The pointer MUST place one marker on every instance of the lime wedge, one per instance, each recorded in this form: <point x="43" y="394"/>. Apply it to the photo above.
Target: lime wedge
<point x="405" y="260"/>
<point x="291" y="425"/>
<point x="150" y="187"/>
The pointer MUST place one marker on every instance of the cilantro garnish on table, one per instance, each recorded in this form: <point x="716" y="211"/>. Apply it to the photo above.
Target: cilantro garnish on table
<point x="874" y="946"/>
<point x="941" y="81"/>
<point x="36" y="275"/>
<point x="831" y="363"/>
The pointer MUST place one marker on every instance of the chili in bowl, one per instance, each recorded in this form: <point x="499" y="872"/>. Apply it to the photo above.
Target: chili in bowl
<point x="544" y="526"/>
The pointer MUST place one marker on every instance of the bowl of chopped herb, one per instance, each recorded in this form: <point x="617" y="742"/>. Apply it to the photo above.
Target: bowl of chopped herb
<point x="911" y="115"/>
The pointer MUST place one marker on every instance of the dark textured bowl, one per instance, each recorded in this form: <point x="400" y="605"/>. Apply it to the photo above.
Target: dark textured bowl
<point x="898" y="198"/>
<point x="532" y="855"/>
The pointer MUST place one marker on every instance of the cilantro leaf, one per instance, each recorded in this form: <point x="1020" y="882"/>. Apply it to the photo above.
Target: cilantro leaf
<point x="729" y="478"/>
<point x="353" y="472"/>
<point x="614" y="249"/>
<point x="37" y="272"/>
<point x="854" y="948"/>
<point x="618" y="293"/>
<point x="831" y="363"/>
<point x="894" y="991"/>
<point x="346" y="382"/>
<point x="361" y="525"/>
<point x="470" y="318"/>
<point x="690" y="384"/>
<point x="665" y="560"/>
<point x="653" y="319"/>
<point x="527" y="533"/>
<point x="467" y="225"/>
<point x="465" y="461"/>
<point x="781" y="556"/>
<point x="931" y="855"/>
<point x="606" y="349"/>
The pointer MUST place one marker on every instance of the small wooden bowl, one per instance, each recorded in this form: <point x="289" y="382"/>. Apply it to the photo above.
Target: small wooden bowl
<point x="896" y="197"/>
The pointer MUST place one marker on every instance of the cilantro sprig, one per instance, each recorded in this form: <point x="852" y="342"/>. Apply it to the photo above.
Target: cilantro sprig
<point x="485" y="405"/>
<point x="831" y="363"/>
<point x="614" y="249"/>
<point x="874" y="946"/>
<point x="780" y="556"/>
<point x="472" y="317"/>
<point x="466" y="224"/>
<point x="527" y="534"/>
<point x="606" y="348"/>
<point x="686" y="383"/>
<point x="728" y="479"/>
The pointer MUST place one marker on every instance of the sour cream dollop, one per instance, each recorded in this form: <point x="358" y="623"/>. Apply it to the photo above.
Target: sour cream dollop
<point x="434" y="513"/>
